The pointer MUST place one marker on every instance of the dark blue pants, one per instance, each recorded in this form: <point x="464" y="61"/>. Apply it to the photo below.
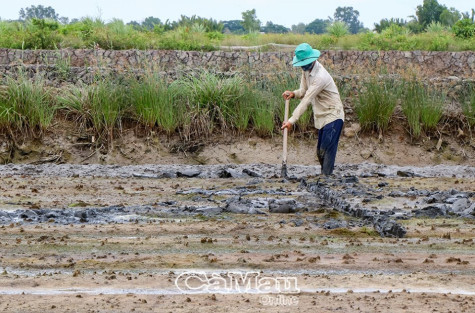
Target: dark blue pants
<point x="328" y="138"/>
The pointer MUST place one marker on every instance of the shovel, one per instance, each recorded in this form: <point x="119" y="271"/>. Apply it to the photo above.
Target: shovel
<point x="283" y="173"/>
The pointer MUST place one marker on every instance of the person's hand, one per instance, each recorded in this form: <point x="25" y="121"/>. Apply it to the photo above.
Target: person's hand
<point x="288" y="95"/>
<point x="287" y="125"/>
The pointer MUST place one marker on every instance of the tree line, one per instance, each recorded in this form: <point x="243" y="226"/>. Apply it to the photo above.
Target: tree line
<point x="344" y="21"/>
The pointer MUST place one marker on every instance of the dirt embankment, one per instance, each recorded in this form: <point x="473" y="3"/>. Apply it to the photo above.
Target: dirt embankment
<point x="63" y="143"/>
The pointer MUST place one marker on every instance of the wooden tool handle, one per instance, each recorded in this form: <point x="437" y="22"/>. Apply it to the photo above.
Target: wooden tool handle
<point x="286" y="118"/>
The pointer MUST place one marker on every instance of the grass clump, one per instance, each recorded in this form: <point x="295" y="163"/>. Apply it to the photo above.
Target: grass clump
<point x="468" y="105"/>
<point x="218" y="97"/>
<point x="263" y="112"/>
<point x="344" y="232"/>
<point x="272" y="111"/>
<point x="73" y="101"/>
<point x="369" y="231"/>
<point x="377" y="101"/>
<point x="26" y="105"/>
<point x="153" y="103"/>
<point x="422" y="107"/>
<point x="246" y="108"/>
<point x="99" y="106"/>
<point x="107" y="103"/>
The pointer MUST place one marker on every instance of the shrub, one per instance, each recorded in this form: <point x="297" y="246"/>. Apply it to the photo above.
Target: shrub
<point x="12" y="35"/>
<point x="263" y="113"/>
<point x="439" y="43"/>
<point x="217" y="36"/>
<point x="464" y="28"/>
<point x="435" y="27"/>
<point x="183" y="38"/>
<point x="327" y="41"/>
<point x="338" y="29"/>
<point x="42" y="34"/>
<point x="394" y="30"/>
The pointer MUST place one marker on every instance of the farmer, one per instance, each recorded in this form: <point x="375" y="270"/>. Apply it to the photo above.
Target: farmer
<point x="318" y="88"/>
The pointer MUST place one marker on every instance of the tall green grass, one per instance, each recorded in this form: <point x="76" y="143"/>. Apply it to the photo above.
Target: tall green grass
<point x="263" y="112"/>
<point x="215" y="94"/>
<point x="154" y="103"/>
<point x="422" y="107"/>
<point x="74" y="102"/>
<point x="468" y="105"/>
<point x="245" y="108"/>
<point x="26" y="104"/>
<point x="272" y="88"/>
<point x="195" y="106"/>
<point x="377" y="101"/>
<point x="7" y="114"/>
<point x="201" y="104"/>
<point x="100" y="106"/>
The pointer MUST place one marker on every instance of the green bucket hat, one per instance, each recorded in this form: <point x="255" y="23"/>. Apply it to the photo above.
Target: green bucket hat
<point x="304" y="54"/>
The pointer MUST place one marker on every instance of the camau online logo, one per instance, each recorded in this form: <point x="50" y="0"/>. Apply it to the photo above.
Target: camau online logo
<point x="235" y="282"/>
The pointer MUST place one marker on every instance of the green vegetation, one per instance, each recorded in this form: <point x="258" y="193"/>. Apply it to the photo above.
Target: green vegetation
<point x="107" y="102"/>
<point x="218" y="96"/>
<point x="100" y="106"/>
<point x="200" y="104"/>
<point x="337" y="29"/>
<point x="195" y="105"/>
<point x="422" y="107"/>
<point x="154" y="103"/>
<point x="433" y="27"/>
<point x="90" y="33"/>
<point x="377" y="101"/>
<point x="464" y="29"/>
<point x="25" y="105"/>
<point x="468" y="105"/>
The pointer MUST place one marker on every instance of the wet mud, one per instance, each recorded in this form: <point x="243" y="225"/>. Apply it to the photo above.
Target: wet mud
<point x="370" y="237"/>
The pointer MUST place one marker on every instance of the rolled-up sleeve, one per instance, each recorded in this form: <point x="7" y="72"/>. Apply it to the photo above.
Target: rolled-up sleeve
<point x="299" y="93"/>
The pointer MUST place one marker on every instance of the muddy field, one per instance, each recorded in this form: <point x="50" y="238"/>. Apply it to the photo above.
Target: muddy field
<point x="373" y="238"/>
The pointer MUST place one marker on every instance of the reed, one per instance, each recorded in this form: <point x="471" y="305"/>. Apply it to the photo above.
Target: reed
<point x="422" y="106"/>
<point x="377" y="101"/>
<point x="26" y="104"/>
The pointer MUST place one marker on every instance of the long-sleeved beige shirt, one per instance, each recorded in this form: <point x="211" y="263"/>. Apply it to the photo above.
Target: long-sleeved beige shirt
<point x="317" y="87"/>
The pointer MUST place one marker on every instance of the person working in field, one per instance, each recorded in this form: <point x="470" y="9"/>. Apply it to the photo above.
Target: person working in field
<point x="318" y="88"/>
